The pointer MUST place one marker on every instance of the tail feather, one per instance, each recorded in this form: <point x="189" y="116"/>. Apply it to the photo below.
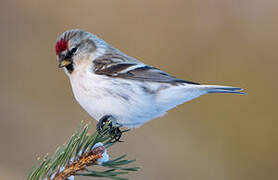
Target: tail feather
<point x="221" y="89"/>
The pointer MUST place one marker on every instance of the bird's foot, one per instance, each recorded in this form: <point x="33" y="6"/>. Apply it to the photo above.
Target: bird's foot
<point x="112" y="127"/>
<point x="101" y="123"/>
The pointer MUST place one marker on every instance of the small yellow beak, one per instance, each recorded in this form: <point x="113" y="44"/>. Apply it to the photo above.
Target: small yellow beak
<point x="64" y="63"/>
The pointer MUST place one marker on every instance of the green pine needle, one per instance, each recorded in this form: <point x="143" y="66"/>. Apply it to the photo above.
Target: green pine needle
<point x="80" y="143"/>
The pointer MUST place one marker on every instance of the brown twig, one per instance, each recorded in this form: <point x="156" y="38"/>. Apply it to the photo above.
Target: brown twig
<point x="80" y="164"/>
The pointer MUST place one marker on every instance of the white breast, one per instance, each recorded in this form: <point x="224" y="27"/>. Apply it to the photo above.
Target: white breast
<point x="124" y="99"/>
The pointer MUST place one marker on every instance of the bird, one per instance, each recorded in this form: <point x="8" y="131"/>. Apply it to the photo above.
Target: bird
<point x="109" y="84"/>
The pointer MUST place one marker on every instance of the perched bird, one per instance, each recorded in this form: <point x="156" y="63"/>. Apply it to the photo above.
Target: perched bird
<point x="110" y="84"/>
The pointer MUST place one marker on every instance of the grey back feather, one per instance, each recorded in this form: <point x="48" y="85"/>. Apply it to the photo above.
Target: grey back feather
<point x="125" y="67"/>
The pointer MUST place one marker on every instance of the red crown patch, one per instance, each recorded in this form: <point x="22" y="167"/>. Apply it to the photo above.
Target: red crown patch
<point x="61" y="45"/>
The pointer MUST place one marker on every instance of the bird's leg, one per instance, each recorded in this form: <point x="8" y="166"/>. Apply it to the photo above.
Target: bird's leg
<point x="102" y="122"/>
<point x="114" y="127"/>
<point x="116" y="133"/>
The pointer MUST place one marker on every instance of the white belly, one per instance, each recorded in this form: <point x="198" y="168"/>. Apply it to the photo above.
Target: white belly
<point x="131" y="103"/>
<point x="124" y="100"/>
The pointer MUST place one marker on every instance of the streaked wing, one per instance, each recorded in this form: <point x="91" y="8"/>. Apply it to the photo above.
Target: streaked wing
<point x="120" y="66"/>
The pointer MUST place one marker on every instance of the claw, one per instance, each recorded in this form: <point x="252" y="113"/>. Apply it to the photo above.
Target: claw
<point x="102" y="122"/>
<point x="116" y="134"/>
<point x="114" y="128"/>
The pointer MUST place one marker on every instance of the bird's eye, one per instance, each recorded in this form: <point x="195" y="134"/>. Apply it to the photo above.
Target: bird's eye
<point x="70" y="53"/>
<point x="73" y="50"/>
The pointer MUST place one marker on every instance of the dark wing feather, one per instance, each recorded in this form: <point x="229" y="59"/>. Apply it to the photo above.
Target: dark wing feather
<point x="123" y="68"/>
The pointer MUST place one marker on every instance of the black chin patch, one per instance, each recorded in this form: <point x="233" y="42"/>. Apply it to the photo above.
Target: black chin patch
<point x="69" y="68"/>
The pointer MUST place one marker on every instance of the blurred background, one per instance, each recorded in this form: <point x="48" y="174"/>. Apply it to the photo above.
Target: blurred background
<point x="215" y="137"/>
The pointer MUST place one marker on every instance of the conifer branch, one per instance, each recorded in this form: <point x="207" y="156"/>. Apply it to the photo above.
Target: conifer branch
<point x="79" y="155"/>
